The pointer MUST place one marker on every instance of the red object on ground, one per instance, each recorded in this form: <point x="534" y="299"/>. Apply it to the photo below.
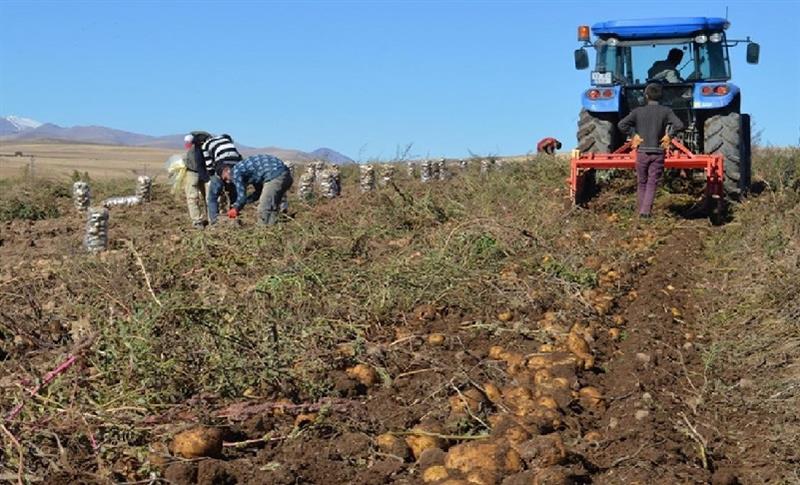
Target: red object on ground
<point x="233" y="213"/>
<point x="548" y="145"/>
<point x="677" y="156"/>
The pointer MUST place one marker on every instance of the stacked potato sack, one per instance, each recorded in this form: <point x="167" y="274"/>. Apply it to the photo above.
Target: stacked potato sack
<point x="462" y="164"/>
<point x="425" y="171"/>
<point x="96" y="238"/>
<point x="387" y="175"/>
<point x="367" y="178"/>
<point x="329" y="182"/>
<point x="441" y="169"/>
<point x="486" y="165"/>
<point x="410" y="170"/>
<point x="81" y="195"/>
<point x="144" y="187"/>
<point x="305" y="186"/>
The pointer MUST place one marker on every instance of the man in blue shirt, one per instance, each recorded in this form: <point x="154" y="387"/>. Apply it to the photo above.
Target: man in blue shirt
<point x="266" y="174"/>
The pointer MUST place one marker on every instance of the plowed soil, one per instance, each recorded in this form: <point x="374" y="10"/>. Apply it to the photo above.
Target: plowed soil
<point x="647" y="359"/>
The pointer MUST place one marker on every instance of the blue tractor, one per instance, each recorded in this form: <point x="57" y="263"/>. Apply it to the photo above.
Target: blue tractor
<point x="689" y="56"/>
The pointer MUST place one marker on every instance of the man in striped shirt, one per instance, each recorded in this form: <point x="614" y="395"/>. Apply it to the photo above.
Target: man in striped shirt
<point x="218" y="150"/>
<point x="268" y="174"/>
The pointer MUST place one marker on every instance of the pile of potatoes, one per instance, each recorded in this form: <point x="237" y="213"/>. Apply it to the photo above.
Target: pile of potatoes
<point x="525" y="417"/>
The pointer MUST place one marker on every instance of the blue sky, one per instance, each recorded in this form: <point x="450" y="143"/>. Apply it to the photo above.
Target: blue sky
<point x="360" y="77"/>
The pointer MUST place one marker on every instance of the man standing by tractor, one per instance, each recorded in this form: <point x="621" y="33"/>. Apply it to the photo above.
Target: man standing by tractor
<point x="651" y="128"/>
<point x="267" y="174"/>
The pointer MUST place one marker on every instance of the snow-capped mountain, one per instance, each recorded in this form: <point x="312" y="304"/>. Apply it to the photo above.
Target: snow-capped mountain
<point x="11" y="125"/>
<point x="23" y="123"/>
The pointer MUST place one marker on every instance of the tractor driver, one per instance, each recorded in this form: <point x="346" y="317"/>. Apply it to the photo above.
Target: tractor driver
<point x="667" y="70"/>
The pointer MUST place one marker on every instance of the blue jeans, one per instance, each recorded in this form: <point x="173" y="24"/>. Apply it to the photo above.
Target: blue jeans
<point x="215" y="188"/>
<point x="272" y="193"/>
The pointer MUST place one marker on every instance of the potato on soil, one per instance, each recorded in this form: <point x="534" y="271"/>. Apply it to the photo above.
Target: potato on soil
<point x="436" y="339"/>
<point x="519" y="400"/>
<point x="550" y="360"/>
<point x="505" y="316"/>
<point x="541" y="421"/>
<point x="435" y="474"/>
<point x="198" y="442"/>
<point x="491" y="457"/>
<point x="492" y="392"/>
<point x="613" y="333"/>
<point x="547" y="402"/>
<point x="543" y="451"/>
<point x="468" y="402"/>
<point x="425" y="312"/>
<point x="592" y="437"/>
<point x="496" y="352"/>
<point x="304" y="419"/>
<point x="483" y="477"/>
<point x="347" y="349"/>
<point x="392" y="445"/>
<point x="364" y="374"/>
<point x="421" y="442"/>
<point x="578" y="346"/>
<point x="590" y="397"/>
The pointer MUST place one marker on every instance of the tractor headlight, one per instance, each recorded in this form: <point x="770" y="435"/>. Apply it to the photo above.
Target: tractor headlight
<point x="715" y="37"/>
<point x="701" y="39"/>
<point x="612" y="41"/>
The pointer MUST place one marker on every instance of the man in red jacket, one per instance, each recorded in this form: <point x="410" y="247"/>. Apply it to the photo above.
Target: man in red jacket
<point x="548" y="146"/>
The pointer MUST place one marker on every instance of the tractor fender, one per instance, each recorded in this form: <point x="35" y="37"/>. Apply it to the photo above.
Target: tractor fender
<point x="714" y="101"/>
<point x="609" y="104"/>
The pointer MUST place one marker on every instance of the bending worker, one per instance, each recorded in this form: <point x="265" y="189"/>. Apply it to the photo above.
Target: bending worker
<point x="218" y="150"/>
<point x="266" y="174"/>
<point x="548" y="145"/>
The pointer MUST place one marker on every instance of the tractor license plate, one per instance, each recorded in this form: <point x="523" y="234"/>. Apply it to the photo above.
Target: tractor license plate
<point x="601" y="77"/>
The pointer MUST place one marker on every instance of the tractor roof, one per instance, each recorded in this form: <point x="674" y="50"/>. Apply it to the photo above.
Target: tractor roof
<point x="658" y="28"/>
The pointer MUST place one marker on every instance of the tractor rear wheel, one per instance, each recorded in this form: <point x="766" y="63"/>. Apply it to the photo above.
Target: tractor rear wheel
<point x="596" y="133"/>
<point x="729" y="135"/>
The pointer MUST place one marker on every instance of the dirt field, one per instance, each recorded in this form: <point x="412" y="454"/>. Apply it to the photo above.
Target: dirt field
<point x="476" y="330"/>
<point x="57" y="159"/>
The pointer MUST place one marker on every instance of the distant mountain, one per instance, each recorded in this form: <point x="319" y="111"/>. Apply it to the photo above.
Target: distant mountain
<point x="326" y="154"/>
<point x="332" y="156"/>
<point x="15" y="128"/>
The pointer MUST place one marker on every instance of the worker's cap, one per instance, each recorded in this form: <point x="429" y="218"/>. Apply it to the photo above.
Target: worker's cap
<point x="187" y="140"/>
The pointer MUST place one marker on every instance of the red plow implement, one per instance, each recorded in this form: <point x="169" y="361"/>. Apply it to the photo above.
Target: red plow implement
<point x="677" y="157"/>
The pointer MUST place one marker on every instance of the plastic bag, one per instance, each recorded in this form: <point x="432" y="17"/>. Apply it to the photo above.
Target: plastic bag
<point x="176" y="168"/>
